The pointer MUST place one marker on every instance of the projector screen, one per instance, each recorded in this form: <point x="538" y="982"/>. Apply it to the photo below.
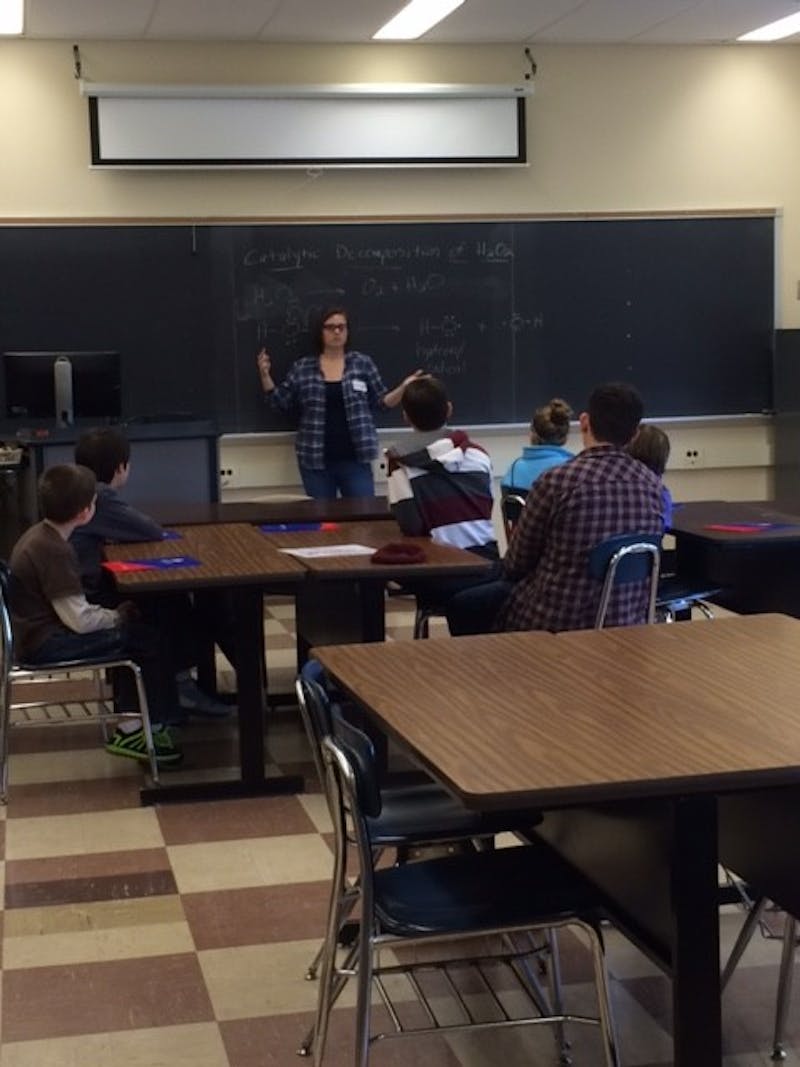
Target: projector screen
<point x="284" y="131"/>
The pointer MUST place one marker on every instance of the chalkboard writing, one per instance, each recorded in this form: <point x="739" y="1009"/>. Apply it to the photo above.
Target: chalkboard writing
<point x="506" y="313"/>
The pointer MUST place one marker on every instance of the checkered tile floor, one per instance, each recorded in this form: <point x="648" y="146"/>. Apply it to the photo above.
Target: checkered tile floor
<point x="178" y="936"/>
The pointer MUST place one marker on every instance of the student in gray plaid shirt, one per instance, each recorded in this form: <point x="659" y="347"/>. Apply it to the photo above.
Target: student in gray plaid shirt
<point x="600" y="493"/>
<point x="334" y="395"/>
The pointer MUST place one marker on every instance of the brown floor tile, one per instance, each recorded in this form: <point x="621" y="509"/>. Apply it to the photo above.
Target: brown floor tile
<point x="228" y="820"/>
<point x="133" y="994"/>
<point x="253" y="916"/>
<point x="748" y="1011"/>
<point x="82" y="890"/>
<point x="219" y="751"/>
<point x="2" y="839"/>
<point x="54" y="738"/>
<point x="306" y="771"/>
<point x="273" y="1042"/>
<point x="68" y="798"/>
<point x="98" y="876"/>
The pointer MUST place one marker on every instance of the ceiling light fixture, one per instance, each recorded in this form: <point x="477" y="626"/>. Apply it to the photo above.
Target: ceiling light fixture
<point x="774" y="31"/>
<point x="11" y="17"/>
<point x="416" y="18"/>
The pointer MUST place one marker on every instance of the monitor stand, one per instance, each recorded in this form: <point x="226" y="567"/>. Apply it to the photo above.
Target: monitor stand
<point x="62" y="376"/>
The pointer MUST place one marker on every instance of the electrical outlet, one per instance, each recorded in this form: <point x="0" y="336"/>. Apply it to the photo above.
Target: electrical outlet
<point x="694" y="457"/>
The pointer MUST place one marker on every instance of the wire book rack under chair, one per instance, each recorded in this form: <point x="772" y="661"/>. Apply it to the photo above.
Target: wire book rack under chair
<point x="14" y="675"/>
<point x="504" y="897"/>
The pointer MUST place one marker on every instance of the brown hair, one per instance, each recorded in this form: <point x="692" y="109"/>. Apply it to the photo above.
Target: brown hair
<point x="317" y="332"/>
<point x="103" y="450"/>
<point x="550" y="423"/>
<point x="651" y="447"/>
<point x="65" y="490"/>
<point x="425" y="403"/>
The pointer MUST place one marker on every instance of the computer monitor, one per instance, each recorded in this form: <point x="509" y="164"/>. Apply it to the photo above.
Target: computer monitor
<point x="82" y="385"/>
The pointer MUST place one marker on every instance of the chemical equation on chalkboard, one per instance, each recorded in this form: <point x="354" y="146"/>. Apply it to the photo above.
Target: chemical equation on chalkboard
<point x="440" y="348"/>
<point x="399" y="284"/>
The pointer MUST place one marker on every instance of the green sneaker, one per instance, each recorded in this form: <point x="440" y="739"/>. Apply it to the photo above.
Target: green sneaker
<point x="133" y="746"/>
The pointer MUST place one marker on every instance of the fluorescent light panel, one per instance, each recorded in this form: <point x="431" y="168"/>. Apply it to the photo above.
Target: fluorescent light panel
<point x="416" y="18"/>
<point x="774" y="31"/>
<point x="11" y="17"/>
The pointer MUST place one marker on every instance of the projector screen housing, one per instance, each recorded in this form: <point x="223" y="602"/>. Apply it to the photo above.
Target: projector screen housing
<point x="323" y="126"/>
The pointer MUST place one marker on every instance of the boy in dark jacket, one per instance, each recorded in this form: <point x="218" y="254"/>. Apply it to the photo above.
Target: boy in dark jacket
<point x="107" y="452"/>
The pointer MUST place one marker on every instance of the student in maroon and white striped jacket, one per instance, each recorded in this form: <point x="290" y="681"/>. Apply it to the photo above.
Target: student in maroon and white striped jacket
<point x="440" y="485"/>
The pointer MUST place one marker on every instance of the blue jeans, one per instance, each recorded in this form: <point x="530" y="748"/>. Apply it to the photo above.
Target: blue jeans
<point x="135" y="640"/>
<point x="348" y="477"/>
<point x="474" y="610"/>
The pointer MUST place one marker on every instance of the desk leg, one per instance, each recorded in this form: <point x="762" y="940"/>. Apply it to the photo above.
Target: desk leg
<point x="695" y="980"/>
<point x="251" y="685"/>
<point x="339" y="612"/>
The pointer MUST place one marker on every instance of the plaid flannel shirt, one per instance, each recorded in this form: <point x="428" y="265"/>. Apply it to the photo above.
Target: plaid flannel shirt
<point x="601" y="493"/>
<point x="302" y="394"/>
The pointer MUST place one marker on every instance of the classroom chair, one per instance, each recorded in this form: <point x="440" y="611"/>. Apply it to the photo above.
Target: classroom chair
<point x="12" y="673"/>
<point x="511" y="507"/>
<point x="490" y="904"/>
<point x="413" y="813"/>
<point x="622" y="560"/>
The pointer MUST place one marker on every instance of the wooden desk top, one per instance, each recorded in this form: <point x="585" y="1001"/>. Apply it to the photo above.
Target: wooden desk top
<point x="554" y="720"/>
<point x="439" y="559"/>
<point x="355" y="509"/>
<point x="229" y="554"/>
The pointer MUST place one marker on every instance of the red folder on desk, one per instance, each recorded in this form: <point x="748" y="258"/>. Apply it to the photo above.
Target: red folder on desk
<point x="749" y="527"/>
<point x="120" y="566"/>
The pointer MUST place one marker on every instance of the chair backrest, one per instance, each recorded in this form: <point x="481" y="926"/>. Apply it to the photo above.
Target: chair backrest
<point x="352" y="789"/>
<point x="6" y="635"/>
<point x="315" y="711"/>
<point x="622" y="560"/>
<point x="511" y="507"/>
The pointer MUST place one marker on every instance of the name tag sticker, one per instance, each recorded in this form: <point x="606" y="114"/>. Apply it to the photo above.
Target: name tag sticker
<point x="359" y="386"/>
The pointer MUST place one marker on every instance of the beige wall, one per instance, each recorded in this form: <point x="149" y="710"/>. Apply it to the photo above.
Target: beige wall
<point x="611" y="129"/>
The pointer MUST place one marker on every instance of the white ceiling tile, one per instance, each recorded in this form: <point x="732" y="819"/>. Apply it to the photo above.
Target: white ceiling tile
<point x="210" y="19"/>
<point x="337" y="20"/>
<point x="500" y="20"/>
<point x="87" y="18"/>
<point x="719" y="20"/>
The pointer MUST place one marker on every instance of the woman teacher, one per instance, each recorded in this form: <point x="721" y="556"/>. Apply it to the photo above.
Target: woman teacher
<point x="334" y="395"/>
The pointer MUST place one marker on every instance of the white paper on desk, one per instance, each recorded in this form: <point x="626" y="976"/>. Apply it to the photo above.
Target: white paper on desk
<point x="330" y="550"/>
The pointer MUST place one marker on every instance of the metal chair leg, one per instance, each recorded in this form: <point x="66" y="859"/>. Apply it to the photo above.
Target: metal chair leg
<point x="604" y="997"/>
<point x="784" y="986"/>
<point x="742" y="941"/>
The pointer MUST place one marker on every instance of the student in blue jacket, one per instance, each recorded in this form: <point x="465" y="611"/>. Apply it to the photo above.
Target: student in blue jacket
<point x="549" y="430"/>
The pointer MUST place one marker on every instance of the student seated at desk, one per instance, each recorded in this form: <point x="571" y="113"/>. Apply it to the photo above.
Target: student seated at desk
<point x="440" y="485"/>
<point x="52" y="619"/>
<point x="651" y="447"/>
<point x="182" y="621"/>
<point x="548" y="433"/>
<point x="601" y="493"/>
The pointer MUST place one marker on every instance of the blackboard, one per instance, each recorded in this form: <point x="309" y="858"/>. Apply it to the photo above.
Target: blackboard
<point x="506" y="313"/>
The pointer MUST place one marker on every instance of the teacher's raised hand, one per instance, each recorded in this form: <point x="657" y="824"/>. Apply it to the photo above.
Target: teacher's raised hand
<point x="264" y="364"/>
